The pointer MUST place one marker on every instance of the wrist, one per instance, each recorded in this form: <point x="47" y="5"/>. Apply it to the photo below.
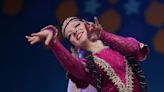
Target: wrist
<point x="100" y="33"/>
<point x="51" y="29"/>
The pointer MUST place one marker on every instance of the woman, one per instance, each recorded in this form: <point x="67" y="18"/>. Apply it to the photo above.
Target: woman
<point x="109" y="62"/>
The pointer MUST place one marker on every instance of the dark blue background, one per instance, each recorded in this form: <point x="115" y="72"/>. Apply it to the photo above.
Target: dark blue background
<point x="26" y="68"/>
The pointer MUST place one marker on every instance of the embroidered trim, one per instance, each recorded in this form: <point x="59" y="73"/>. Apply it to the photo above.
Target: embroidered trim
<point x="129" y="78"/>
<point x="116" y="79"/>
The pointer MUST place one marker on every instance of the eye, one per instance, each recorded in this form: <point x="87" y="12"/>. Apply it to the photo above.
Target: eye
<point x="87" y="23"/>
<point x="69" y="36"/>
<point x="77" y="25"/>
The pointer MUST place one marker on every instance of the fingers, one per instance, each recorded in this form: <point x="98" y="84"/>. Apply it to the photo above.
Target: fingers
<point x="29" y="38"/>
<point x="97" y="24"/>
<point x="96" y="21"/>
<point x="35" y="40"/>
<point x="45" y="34"/>
<point x="48" y="39"/>
<point x="86" y="26"/>
<point x="37" y="34"/>
<point x="36" y="37"/>
<point x="32" y="40"/>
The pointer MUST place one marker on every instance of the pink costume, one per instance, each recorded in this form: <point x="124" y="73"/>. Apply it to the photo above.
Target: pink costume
<point x="117" y="76"/>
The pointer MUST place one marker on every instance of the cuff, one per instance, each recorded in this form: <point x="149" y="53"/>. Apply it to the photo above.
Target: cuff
<point x="53" y="29"/>
<point x="143" y="52"/>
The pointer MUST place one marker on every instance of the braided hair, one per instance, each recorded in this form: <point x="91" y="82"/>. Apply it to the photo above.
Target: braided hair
<point x="91" y="66"/>
<point x="136" y="68"/>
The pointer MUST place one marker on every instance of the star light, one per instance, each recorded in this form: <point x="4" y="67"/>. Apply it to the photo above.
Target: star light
<point x="91" y="6"/>
<point x="132" y="7"/>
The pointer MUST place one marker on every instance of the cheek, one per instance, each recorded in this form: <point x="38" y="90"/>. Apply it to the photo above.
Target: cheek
<point x="76" y="44"/>
<point x="85" y="34"/>
<point x="73" y="41"/>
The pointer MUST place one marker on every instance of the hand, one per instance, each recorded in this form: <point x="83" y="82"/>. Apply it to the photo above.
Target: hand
<point x="46" y="35"/>
<point x="94" y="30"/>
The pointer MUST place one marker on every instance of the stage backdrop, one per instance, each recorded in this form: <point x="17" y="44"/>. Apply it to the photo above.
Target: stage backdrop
<point x="26" y="68"/>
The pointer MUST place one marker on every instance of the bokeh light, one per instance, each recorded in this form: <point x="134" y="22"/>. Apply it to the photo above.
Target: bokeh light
<point x="155" y="14"/>
<point x="110" y="20"/>
<point x="158" y="41"/>
<point x="113" y="1"/>
<point x="66" y="9"/>
<point x="12" y="7"/>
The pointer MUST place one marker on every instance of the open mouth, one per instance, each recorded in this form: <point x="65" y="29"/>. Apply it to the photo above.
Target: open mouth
<point x="78" y="36"/>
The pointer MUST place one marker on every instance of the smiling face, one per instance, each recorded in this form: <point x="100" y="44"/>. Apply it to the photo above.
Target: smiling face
<point x="76" y="33"/>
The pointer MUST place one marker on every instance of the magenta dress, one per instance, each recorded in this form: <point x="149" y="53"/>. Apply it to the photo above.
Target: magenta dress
<point x="117" y="76"/>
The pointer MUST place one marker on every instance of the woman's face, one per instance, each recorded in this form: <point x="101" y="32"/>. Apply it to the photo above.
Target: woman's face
<point x="76" y="33"/>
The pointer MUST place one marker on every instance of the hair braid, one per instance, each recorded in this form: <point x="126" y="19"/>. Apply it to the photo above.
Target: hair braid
<point x="91" y="66"/>
<point x="136" y="68"/>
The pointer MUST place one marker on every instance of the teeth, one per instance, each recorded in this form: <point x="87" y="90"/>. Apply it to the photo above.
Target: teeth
<point x="79" y="35"/>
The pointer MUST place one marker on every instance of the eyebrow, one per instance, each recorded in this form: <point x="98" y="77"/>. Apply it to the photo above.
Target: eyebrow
<point x="68" y="33"/>
<point x="76" y="25"/>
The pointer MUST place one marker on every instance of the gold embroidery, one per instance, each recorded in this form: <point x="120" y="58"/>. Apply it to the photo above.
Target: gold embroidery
<point x="115" y="79"/>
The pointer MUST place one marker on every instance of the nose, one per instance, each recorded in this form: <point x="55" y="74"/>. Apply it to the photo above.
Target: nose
<point x="75" y="33"/>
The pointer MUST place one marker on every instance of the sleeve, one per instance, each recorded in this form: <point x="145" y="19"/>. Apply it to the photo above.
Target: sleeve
<point x="126" y="45"/>
<point x="75" y="67"/>
<point x="69" y="63"/>
<point x="79" y="83"/>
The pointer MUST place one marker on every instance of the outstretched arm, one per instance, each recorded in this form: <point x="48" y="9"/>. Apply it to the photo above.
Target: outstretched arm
<point x="69" y="63"/>
<point x="72" y="65"/>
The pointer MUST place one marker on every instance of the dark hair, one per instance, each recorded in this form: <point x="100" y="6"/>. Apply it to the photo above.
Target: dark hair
<point x="136" y="68"/>
<point x="91" y="66"/>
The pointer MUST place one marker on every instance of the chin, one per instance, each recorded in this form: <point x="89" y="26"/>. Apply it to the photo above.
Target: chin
<point x="82" y="41"/>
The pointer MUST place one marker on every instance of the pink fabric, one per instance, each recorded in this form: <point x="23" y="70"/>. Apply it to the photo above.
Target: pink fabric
<point x="115" y="60"/>
<point x="68" y="62"/>
<point x="128" y="46"/>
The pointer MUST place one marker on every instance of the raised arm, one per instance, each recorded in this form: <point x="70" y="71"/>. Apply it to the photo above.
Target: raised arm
<point x="126" y="45"/>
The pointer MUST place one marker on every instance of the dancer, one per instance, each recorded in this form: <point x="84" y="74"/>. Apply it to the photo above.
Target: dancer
<point x="109" y="62"/>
